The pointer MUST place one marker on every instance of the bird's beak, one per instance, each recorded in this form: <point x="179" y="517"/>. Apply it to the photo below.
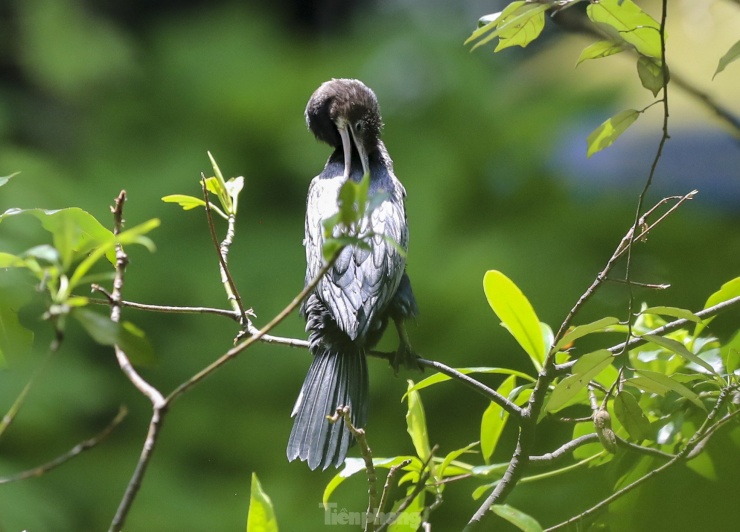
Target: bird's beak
<point x="345" y="133"/>
<point x="362" y="152"/>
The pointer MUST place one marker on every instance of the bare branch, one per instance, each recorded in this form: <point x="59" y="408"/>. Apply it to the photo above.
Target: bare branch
<point x="367" y="456"/>
<point x="479" y="387"/>
<point x="222" y="250"/>
<point x="74" y="451"/>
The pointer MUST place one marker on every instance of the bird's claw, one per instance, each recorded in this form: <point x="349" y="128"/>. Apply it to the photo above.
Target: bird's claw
<point x="405" y="356"/>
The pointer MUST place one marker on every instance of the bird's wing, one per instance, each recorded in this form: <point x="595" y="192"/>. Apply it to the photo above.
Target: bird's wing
<point x="362" y="281"/>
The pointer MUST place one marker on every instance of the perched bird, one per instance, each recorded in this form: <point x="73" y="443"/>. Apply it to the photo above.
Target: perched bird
<point x="349" y="309"/>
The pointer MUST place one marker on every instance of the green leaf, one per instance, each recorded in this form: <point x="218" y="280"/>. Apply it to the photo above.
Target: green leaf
<point x="494" y="420"/>
<point x="409" y="520"/>
<point x="524" y="31"/>
<point x="516" y="517"/>
<point x="584" y="370"/>
<point x="441" y="377"/>
<point x="416" y="423"/>
<point x="674" y="312"/>
<point x="219" y="187"/>
<point x="74" y="231"/>
<point x="680" y="349"/>
<point x="598" y="50"/>
<point x="732" y="55"/>
<point x="518" y="26"/>
<point x="130" y="236"/>
<point x="8" y="260"/>
<point x="261" y="516"/>
<point x="493" y="20"/>
<point x="15" y="340"/>
<point x="186" y="202"/>
<point x="727" y="291"/>
<point x="631" y="23"/>
<point x="631" y="416"/>
<point x="660" y="383"/>
<point x="453" y="455"/>
<point x="6" y="178"/>
<point x="605" y="135"/>
<point x="730" y="353"/>
<point x="126" y="335"/>
<point x="516" y="314"/>
<point x="582" y="330"/>
<point x="357" y="465"/>
<point x="651" y="74"/>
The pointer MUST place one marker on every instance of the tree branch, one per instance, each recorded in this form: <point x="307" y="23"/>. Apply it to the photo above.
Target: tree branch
<point x="74" y="451"/>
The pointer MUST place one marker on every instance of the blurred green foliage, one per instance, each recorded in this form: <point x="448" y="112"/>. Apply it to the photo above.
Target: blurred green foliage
<point x="90" y="105"/>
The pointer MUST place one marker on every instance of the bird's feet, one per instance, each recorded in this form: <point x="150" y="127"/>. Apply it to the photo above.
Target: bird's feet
<point x="405" y="356"/>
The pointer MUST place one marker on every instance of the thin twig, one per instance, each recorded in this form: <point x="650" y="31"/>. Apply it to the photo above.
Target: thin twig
<point x="156" y="398"/>
<point x="73" y="452"/>
<point x="424" y="475"/>
<point x="390" y="481"/>
<point x="560" y="452"/>
<point x="164" y="309"/>
<point x="479" y="387"/>
<point x="222" y="250"/>
<point x="367" y="456"/>
<point x="234" y="351"/>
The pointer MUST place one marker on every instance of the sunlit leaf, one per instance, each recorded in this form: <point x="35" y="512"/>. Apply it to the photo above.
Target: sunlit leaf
<point x="652" y="381"/>
<point x="409" y="520"/>
<point x="605" y="135"/>
<point x="584" y="370"/>
<point x="135" y="235"/>
<point x="598" y="50"/>
<point x="632" y="418"/>
<point x="732" y="55"/>
<point x="650" y="72"/>
<point x="8" y="260"/>
<point x="441" y="377"/>
<point x="353" y="466"/>
<point x="519" y="519"/>
<point x="453" y="455"/>
<point x="523" y="31"/>
<point x="74" y="231"/>
<point x="703" y="464"/>
<point x="493" y="20"/>
<point x="261" y="516"/>
<point x="582" y="330"/>
<point x="416" y="423"/>
<point x="680" y="349"/>
<point x="494" y="420"/>
<point x="730" y="353"/>
<point x="4" y="179"/>
<point x="520" y="25"/>
<point x="631" y="23"/>
<point x="186" y="202"/>
<point x="674" y="312"/>
<point x="516" y="314"/>
<point x="729" y="290"/>
<point x="220" y="187"/>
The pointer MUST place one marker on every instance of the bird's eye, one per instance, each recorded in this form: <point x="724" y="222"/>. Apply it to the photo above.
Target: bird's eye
<point x="359" y="126"/>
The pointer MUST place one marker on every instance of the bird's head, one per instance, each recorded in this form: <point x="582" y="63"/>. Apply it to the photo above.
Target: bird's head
<point x="343" y="113"/>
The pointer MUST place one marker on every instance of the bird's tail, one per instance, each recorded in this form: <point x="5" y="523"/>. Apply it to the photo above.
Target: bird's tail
<point x="335" y="378"/>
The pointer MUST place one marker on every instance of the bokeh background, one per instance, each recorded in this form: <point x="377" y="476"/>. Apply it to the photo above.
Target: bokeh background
<point x="99" y="96"/>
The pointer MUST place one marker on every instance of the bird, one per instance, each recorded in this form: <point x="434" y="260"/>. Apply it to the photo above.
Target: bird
<point x="367" y="286"/>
